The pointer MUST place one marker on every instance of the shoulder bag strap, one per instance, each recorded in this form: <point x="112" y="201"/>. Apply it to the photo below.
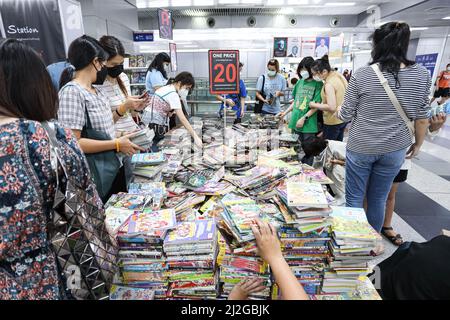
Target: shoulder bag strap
<point x="263" y="85"/>
<point x="393" y="98"/>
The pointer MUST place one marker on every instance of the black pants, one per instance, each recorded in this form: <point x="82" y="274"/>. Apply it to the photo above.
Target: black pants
<point x="119" y="184"/>
<point x="160" y="132"/>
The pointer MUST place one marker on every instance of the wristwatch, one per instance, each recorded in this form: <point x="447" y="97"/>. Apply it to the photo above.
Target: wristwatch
<point x="306" y="118"/>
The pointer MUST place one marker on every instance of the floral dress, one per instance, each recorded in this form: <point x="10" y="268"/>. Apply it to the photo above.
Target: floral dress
<point x="27" y="186"/>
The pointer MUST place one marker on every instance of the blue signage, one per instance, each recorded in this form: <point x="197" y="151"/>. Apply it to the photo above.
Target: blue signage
<point x="428" y="61"/>
<point x="143" y="36"/>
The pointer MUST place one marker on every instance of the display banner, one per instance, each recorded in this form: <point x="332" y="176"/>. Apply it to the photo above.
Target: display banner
<point x="322" y="47"/>
<point x="36" y="23"/>
<point x="308" y="46"/>
<point x="336" y="47"/>
<point x="428" y="61"/>
<point x="173" y="56"/>
<point x="294" y="47"/>
<point x="72" y="21"/>
<point x="280" y="47"/>
<point x="223" y="71"/>
<point x="165" y="24"/>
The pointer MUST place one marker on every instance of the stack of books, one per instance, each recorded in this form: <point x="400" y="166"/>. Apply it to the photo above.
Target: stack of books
<point x="352" y="246"/>
<point x="148" y="165"/>
<point x="143" y="138"/>
<point x="307" y="205"/>
<point x="191" y="249"/>
<point x="141" y="258"/>
<point x="155" y="192"/>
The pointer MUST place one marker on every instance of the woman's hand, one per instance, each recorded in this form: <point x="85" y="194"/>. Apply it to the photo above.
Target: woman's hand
<point x="242" y="290"/>
<point x="338" y="162"/>
<point x="134" y="103"/>
<point x="198" y="142"/>
<point x="127" y="147"/>
<point x="314" y="105"/>
<point x="413" y="151"/>
<point x="267" y="241"/>
<point x="230" y="103"/>
<point x="300" y="123"/>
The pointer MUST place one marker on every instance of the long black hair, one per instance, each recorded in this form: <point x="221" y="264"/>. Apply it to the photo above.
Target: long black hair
<point x="306" y="63"/>
<point x="390" y="47"/>
<point x="26" y="89"/>
<point x="158" y="63"/>
<point x="185" y="78"/>
<point x="114" y="48"/>
<point x="321" y="65"/>
<point x="82" y="52"/>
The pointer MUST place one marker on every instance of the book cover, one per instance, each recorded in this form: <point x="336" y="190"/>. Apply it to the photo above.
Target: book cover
<point x="151" y="221"/>
<point x="129" y="293"/>
<point x="191" y="232"/>
<point x="301" y="194"/>
<point x="148" y="158"/>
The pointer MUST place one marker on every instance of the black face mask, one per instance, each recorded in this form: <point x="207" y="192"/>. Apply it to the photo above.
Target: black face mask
<point x="116" y="71"/>
<point x="101" y="76"/>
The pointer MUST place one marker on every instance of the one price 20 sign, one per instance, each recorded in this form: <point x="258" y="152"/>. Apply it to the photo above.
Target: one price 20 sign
<point x="224" y="71"/>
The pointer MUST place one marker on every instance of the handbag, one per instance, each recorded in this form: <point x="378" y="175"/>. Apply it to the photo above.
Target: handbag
<point x="104" y="165"/>
<point x="259" y="106"/>
<point x="86" y="254"/>
<point x="394" y="100"/>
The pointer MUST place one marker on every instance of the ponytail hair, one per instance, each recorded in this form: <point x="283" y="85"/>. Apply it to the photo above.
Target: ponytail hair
<point x="114" y="48"/>
<point x="185" y="78"/>
<point x="321" y="64"/>
<point x="82" y="52"/>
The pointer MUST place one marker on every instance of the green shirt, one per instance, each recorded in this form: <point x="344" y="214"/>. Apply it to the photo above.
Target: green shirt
<point x="305" y="92"/>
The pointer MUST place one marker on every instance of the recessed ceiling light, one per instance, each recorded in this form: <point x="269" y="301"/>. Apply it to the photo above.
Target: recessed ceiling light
<point x="419" y="28"/>
<point x="446" y="18"/>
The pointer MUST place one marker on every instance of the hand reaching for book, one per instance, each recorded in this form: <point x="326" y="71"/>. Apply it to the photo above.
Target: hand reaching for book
<point x="267" y="241"/>
<point x="242" y="290"/>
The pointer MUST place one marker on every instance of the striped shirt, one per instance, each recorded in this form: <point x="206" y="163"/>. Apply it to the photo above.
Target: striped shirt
<point x="377" y="128"/>
<point x="116" y="97"/>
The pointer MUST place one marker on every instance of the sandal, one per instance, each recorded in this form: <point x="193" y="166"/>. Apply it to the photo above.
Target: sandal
<point x="396" y="240"/>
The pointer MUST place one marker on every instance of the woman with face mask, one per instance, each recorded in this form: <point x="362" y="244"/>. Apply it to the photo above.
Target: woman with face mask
<point x="117" y="85"/>
<point x="165" y="102"/>
<point x="157" y="73"/>
<point x="270" y="88"/>
<point x="84" y="107"/>
<point x="304" y="119"/>
<point x="333" y="93"/>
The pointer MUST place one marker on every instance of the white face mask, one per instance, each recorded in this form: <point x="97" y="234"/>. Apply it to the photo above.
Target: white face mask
<point x="304" y="74"/>
<point x="448" y="68"/>
<point x="317" y="78"/>
<point x="183" y="93"/>
<point x="271" y="73"/>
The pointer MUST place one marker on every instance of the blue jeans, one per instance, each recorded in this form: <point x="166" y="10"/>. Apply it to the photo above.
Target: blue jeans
<point x="335" y="132"/>
<point x="371" y="176"/>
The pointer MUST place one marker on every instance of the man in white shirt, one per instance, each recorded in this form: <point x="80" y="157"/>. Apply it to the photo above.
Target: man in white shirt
<point x="321" y="50"/>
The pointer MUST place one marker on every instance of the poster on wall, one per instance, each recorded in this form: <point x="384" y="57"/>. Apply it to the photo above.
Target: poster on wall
<point x="280" y="47"/>
<point x="428" y="61"/>
<point x="173" y="56"/>
<point x="308" y="47"/>
<point x="223" y="71"/>
<point x="294" y="47"/>
<point x="165" y="24"/>
<point x="37" y="23"/>
<point x="336" y="47"/>
<point x="322" y="47"/>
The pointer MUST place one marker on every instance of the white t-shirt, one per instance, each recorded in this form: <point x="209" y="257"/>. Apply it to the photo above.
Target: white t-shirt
<point x="170" y="95"/>
<point x="321" y="51"/>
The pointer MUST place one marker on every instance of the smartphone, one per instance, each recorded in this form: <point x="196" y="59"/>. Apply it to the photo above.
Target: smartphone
<point x="145" y="95"/>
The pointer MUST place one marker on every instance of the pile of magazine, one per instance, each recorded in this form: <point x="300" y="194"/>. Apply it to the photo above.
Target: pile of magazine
<point x="353" y="244"/>
<point x="191" y="250"/>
